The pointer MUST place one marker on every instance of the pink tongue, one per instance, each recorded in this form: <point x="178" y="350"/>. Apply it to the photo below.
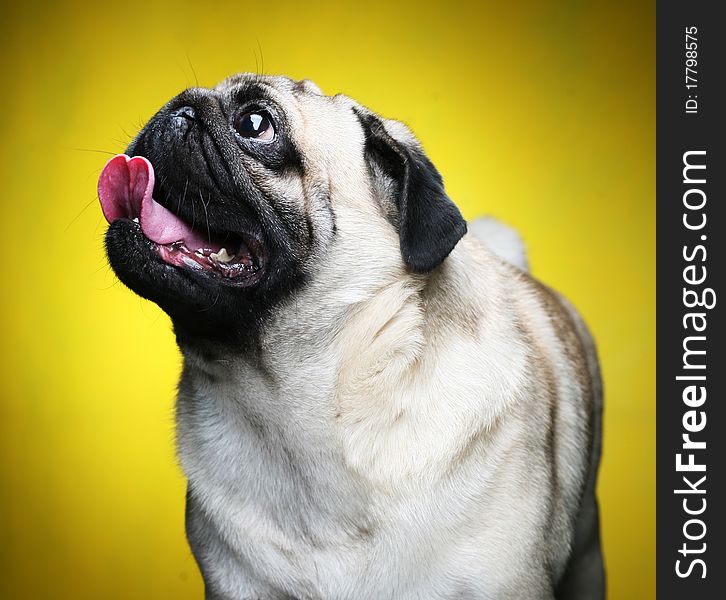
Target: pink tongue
<point x="125" y="188"/>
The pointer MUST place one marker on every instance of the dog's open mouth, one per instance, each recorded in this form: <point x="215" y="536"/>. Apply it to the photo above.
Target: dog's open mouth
<point x="125" y="189"/>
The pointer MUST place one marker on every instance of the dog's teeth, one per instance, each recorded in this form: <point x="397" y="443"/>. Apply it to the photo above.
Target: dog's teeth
<point x="222" y="256"/>
<point x="135" y="219"/>
<point x="191" y="263"/>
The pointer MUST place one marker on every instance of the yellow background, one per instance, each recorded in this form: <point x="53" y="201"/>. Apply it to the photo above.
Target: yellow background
<point x="541" y="113"/>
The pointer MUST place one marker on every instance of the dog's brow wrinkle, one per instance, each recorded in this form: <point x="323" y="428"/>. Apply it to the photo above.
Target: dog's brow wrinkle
<point x="206" y="155"/>
<point x="221" y="153"/>
<point x="220" y="104"/>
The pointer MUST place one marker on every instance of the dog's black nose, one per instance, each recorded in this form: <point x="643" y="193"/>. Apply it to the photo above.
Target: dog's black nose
<point x="182" y="117"/>
<point x="187" y="112"/>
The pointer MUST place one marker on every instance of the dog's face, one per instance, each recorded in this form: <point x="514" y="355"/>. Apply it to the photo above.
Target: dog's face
<point x="236" y="196"/>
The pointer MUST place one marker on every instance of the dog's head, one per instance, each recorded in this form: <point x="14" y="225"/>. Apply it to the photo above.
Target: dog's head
<point x="231" y="199"/>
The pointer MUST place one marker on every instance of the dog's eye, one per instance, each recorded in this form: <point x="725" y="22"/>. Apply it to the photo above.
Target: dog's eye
<point x="256" y="125"/>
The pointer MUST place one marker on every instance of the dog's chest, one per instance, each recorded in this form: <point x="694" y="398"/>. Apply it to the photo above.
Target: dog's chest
<point x="283" y="519"/>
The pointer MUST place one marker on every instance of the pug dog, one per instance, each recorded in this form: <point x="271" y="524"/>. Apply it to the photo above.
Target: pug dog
<point x="374" y="404"/>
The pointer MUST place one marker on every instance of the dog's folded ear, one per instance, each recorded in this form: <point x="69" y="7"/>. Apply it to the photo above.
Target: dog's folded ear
<point x="429" y="223"/>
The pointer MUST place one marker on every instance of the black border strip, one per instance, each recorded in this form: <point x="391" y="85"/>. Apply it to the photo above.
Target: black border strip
<point x="684" y="257"/>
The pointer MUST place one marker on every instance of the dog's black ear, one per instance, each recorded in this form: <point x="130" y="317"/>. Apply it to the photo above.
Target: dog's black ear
<point x="429" y="223"/>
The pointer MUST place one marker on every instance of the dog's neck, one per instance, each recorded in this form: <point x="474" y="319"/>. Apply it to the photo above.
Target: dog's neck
<point x="359" y="387"/>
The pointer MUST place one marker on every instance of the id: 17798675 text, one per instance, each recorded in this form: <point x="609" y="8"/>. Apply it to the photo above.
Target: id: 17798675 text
<point x="691" y="70"/>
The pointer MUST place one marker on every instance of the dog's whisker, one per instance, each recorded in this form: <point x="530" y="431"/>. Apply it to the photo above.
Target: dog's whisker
<point x="158" y="315"/>
<point x="184" y="195"/>
<point x="206" y="216"/>
<point x="113" y="284"/>
<point x="262" y="56"/>
<point x="127" y="134"/>
<point x="104" y="266"/>
<point x="109" y="152"/>
<point x="191" y="66"/>
<point x="216" y="299"/>
<point x="84" y="209"/>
